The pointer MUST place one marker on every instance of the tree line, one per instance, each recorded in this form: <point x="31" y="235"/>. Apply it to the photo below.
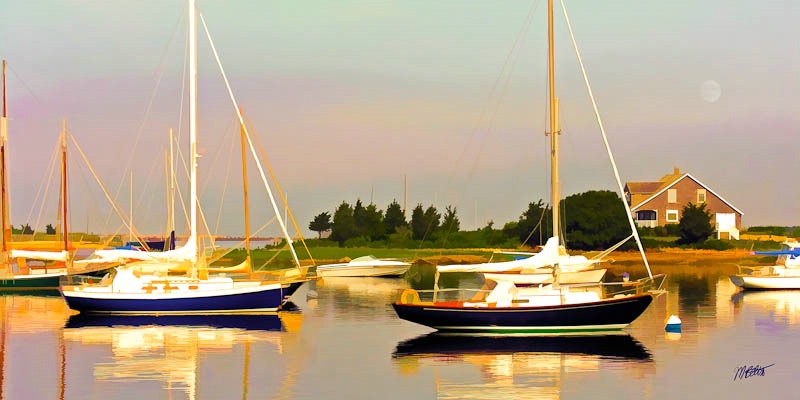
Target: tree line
<point x="593" y="220"/>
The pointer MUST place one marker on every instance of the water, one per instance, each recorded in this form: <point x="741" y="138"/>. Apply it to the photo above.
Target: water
<point x="347" y="343"/>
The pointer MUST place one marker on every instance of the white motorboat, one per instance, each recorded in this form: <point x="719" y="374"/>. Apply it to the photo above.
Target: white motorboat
<point x="364" y="266"/>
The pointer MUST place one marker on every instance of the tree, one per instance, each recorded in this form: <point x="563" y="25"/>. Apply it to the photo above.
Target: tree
<point x="432" y="219"/>
<point x="535" y="219"/>
<point x="595" y="220"/>
<point x="360" y="218"/>
<point x="418" y="226"/>
<point x="344" y="226"/>
<point x="26" y="229"/>
<point x="320" y="223"/>
<point x="450" y="223"/>
<point x="393" y="218"/>
<point x="373" y="223"/>
<point x="695" y="225"/>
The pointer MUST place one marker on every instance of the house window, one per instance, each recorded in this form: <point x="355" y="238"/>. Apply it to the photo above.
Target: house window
<point x="672" y="215"/>
<point x="701" y="196"/>
<point x="672" y="195"/>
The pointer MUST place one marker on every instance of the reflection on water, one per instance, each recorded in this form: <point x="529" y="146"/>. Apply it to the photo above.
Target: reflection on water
<point x="781" y="307"/>
<point x="172" y="350"/>
<point x="516" y="366"/>
<point x="347" y="342"/>
<point x="611" y="346"/>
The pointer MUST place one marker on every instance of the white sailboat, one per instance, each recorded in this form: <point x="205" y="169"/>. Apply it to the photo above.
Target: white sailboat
<point x="784" y="274"/>
<point x="142" y="283"/>
<point x="30" y="265"/>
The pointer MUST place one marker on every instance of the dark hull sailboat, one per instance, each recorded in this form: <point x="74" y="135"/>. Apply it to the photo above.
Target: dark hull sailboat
<point x="603" y="315"/>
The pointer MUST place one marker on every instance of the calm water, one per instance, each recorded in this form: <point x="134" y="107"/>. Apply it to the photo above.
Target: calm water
<point x="347" y="343"/>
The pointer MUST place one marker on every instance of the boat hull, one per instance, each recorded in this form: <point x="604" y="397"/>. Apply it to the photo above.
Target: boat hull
<point x="766" y="282"/>
<point x="259" y="299"/>
<point x="31" y="282"/>
<point x="605" y="315"/>
<point x="356" y="271"/>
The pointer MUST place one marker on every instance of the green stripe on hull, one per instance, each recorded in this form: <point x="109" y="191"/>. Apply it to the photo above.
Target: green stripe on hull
<point x="44" y="282"/>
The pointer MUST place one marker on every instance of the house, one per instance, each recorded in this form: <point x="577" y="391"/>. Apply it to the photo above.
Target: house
<point x="659" y="203"/>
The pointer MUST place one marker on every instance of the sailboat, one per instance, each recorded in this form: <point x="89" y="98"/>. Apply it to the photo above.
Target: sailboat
<point x="783" y="274"/>
<point x="514" y="303"/>
<point x="148" y="285"/>
<point x="27" y="265"/>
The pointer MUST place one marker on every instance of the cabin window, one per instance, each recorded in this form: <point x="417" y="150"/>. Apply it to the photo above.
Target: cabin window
<point x="701" y="196"/>
<point x="672" y="195"/>
<point x="672" y="215"/>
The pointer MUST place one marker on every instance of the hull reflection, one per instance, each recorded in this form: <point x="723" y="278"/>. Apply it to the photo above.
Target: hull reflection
<point x="265" y="322"/>
<point x="619" y="346"/>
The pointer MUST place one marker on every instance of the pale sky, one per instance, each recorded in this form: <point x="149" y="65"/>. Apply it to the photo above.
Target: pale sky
<point x="348" y="97"/>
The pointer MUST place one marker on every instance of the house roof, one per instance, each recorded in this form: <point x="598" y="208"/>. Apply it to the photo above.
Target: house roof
<point x="640" y="198"/>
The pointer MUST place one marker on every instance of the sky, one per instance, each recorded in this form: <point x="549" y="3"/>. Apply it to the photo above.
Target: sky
<point x="423" y="102"/>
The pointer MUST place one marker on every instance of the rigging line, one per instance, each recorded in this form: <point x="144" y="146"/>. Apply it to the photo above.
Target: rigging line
<point x="635" y="231"/>
<point x="224" y="186"/>
<point x="44" y="185"/>
<point x="146" y="192"/>
<point x="108" y="196"/>
<point x="506" y="82"/>
<point x="506" y="72"/>
<point x="159" y="72"/>
<point x="283" y="198"/>
<point x="25" y="85"/>
<point x="223" y="254"/>
<point x="252" y="149"/>
<point x="508" y="61"/>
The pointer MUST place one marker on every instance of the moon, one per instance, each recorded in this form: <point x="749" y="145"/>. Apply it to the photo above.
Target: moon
<point x="711" y="91"/>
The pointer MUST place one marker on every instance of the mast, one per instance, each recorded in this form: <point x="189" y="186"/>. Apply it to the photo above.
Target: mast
<point x="246" y="200"/>
<point x="4" y="214"/>
<point x="171" y="199"/>
<point x="130" y="209"/>
<point x="193" y="127"/>
<point x="64" y="183"/>
<point x="554" y="131"/>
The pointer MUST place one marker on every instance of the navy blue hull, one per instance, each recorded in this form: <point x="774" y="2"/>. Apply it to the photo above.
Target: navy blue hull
<point x="233" y="303"/>
<point x="598" y="316"/>
<point x="603" y="345"/>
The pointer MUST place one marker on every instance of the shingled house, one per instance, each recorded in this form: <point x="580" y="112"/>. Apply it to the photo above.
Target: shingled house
<point x="661" y="202"/>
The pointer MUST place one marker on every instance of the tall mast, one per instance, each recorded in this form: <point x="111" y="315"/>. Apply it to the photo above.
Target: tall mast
<point x="244" y="184"/>
<point x="171" y="199"/>
<point x="554" y="132"/>
<point x="193" y="126"/>
<point x="4" y="214"/>
<point x="130" y="209"/>
<point x="64" y="184"/>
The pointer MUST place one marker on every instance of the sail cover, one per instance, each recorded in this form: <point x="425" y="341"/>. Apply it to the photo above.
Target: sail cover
<point x="547" y="257"/>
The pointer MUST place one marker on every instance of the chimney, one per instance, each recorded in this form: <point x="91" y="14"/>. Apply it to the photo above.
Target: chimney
<point x="676" y="171"/>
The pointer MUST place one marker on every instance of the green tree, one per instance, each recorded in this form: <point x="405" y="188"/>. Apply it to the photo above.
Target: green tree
<point x="393" y="218"/>
<point x="695" y="225"/>
<point x="50" y="230"/>
<point x="26" y="229"/>
<point x="595" y="220"/>
<point x="418" y="225"/>
<point x="360" y="218"/>
<point x="534" y="223"/>
<point x="320" y="223"/>
<point x="450" y="223"/>
<point x="344" y="226"/>
<point x="373" y="223"/>
<point x="432" y="219"/>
